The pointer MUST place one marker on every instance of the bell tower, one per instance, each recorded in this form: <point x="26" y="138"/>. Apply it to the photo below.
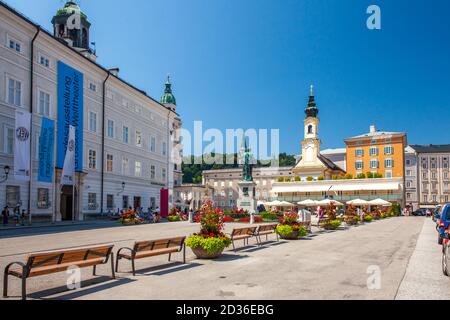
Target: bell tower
<point x="311" y="142"/>
<point x="71" y="25"/>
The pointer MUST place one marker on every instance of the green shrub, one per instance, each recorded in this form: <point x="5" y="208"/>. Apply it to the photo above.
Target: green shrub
<point x="321" y="178"/>
<point x="269" y="216"/>
<point x="287" y="179"/>
<point x="348" y="176"/>
<point x="332" y="225"/>
<point x="369" y="175"/>
<point x="297" y="179"/>
<point x="378" y="175"/>
<point x="368" y="218"/>
<point x="361" y="176"/>
<point x="286" y="230"/>
<point x="280" y="179"/>
<point x="211" y="245"/>
<point x="174" y="218"/>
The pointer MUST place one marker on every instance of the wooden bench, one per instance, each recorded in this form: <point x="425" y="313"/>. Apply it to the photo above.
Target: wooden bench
<point x="44" y="263"/>
<point x="242" y="234"/>
<point x="266" y="230"/>
<point x="146" y="249"/>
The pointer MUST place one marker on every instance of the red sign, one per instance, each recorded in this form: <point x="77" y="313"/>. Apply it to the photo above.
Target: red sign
<point x="164" y="205"/>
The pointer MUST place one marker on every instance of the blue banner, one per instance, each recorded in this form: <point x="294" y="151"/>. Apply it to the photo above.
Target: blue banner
<point x="46" y="143"/>
<point x="70" y="112"/>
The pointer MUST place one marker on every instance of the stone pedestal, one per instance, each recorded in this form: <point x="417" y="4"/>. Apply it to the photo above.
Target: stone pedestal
<point x="247" y="199"/>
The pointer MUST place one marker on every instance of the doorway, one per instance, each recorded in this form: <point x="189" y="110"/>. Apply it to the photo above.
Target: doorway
<point x="66" y="204"/>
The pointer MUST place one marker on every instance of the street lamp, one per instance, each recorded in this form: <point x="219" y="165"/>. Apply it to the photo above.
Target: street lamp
<point x="123" y="188"/>
<point x="6" y="170"/>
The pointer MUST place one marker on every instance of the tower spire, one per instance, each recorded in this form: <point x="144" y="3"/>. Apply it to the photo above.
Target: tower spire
<point x="311" y="109"/>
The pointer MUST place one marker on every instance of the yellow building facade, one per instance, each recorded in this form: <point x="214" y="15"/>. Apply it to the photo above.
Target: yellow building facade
<point x="377" y="152"/>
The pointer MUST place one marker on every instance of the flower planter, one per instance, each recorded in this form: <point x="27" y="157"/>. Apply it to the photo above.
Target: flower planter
<point x="292" y="236"/>
<point x="201" y="253"/>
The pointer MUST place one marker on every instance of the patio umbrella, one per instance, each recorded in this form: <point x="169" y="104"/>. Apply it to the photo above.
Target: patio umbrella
<point x="308" y="203"/>
<point x="328" y="202"/>
<point x="358" y="202"/>
<point x="380" y="202"/>
<point x="286" y="204"/>
<point x="275" y="203"/>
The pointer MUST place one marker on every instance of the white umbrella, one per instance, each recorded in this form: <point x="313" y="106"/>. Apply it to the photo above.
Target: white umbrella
<point x="328" y="202"/>
<point x="275" y="203"/>
<point x="358" y="202"/>
<point x="286" y="204"/>
<point x="380" y="202"/>
<point x="308" y="203"/>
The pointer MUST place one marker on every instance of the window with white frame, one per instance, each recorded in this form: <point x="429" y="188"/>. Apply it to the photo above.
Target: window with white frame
<point x="14" y="92"/>
<point x="8" y="145"/>
<point x="152" y="144"/>
<point x="125" y="134"/>
<point x="408" y="162"/>
<point x="152" y="172"/>
<point x="164" y="148"/>
<point x="374" y="164"/>
<point x="110" y="201"/>
<point x="92" y="121"/>
<point x="92" y="201"/>
<point x="92" y="159"/>
<point x="44" y="103"/>
<point x="163" y="174"/>
<point x="359" y="165"/>
<point x="111" y="128"/>
<point x="408" y="184"/>
<point x="14" y="44"/>
<point x="388" y="150"/>
<point x="109" y="162"/>
<point x="138" y="169"/>
<point x="373" y="151"/>
<point x="359" y="152"/>
<point x="138" y="138"/>
<point x="388" y="163"/>
<point x="125" y="167"/>
<point x="425" y="198"/>
<point x="43" y="198"/>
<point x="92" y="87"/>
<point x="44" y="61"/>
<point x="388" y="174"/>
<point x="408" y="173"/>
<point x="446" y="175"/>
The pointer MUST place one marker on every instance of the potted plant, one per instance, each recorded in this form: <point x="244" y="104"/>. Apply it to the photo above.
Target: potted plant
<point x="289" y="228"/>
<point x="210" y="242"/>
<point x="351" y="217"/>
<point x="368" y="218"/>
<point x="129" y="217"/>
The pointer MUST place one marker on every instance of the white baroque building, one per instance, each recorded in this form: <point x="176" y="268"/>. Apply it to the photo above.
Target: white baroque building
<point x="130" y="148"/>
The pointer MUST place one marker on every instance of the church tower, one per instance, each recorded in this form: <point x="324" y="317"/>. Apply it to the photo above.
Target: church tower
<point x="311" y="142"/>
<point x="71" y="25"/>
<point x="168" y="99"/>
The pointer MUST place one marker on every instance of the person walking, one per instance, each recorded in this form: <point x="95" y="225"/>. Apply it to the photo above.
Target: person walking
<point x="5" y="215"/>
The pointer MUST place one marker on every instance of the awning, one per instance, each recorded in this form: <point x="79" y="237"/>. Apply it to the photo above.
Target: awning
<point x="369" y="186"/>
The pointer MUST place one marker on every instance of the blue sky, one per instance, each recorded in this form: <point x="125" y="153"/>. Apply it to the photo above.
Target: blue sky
<point x="249" y="63"/>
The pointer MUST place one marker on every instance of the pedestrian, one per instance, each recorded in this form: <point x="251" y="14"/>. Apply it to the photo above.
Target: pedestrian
<point x="22" y="217"/>
<point x="5" y="215"/>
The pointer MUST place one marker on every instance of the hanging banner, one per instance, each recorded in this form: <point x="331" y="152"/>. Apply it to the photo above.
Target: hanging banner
<point x="46" y="143"/>
<point x="70" y="113"/>
<point x="68" y="172"/>
<point x="22" y="146"/>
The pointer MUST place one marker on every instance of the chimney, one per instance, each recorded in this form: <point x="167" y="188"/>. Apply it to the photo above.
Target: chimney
<point x="373" y="129"/>
<point x="114" y="71"/>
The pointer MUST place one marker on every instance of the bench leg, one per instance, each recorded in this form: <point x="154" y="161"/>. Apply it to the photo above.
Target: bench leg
<point x="112" y="266"/>
<point x="133" y="267"/>
<point x="5" y="285"/>
<point x="234" y="248"/>
<point x="24" y="288"/>
<point x="117" y="263"/>
<point x="170" y="255"/>
<point x="184" y="253"/>
<point x="94" y="269"/>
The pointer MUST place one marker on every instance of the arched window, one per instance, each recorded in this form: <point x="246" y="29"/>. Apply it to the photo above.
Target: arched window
<point x="310" y="129"/>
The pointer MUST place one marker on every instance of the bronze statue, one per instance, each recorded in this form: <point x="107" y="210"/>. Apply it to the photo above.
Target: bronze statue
<point x="247" y="170"/>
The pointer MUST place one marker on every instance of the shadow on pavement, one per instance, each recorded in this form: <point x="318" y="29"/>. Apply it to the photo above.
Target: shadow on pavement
<point x="229" y="257"/>
<point x="166" y="269"/>
<point x="87" y="287"/>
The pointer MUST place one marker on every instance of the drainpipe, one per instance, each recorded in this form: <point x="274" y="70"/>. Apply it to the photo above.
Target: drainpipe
<point x="31" y="120"/>
<point x="103" y="142"/>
